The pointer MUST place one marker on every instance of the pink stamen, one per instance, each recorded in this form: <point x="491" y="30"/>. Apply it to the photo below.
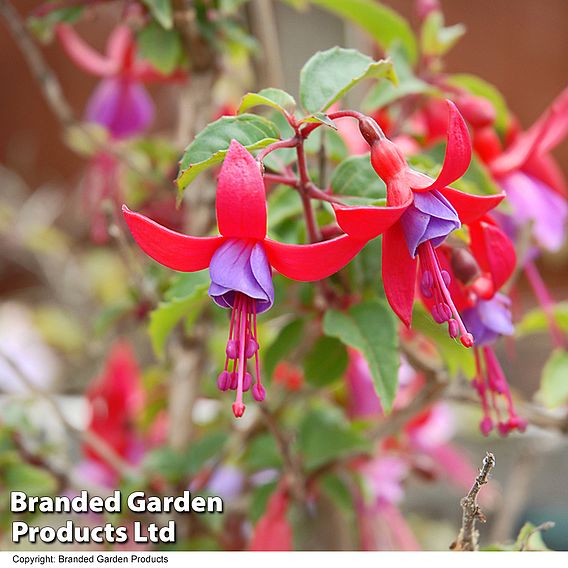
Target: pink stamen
<point x="242" y="345"/>
<point x="493" y="390"/>
<point x="435" y="283"/>
<point x="546" y="303"/>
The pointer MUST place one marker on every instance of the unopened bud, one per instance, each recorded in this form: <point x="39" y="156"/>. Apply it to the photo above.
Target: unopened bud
<point x="464" y="265"/>
<point x="387" y="160"/>
<point x="479" y="112"/>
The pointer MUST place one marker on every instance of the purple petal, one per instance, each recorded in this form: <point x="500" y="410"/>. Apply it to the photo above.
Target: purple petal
<point x="122" y="106"/>
<point x="532" y="200"/>
<point x="489" y="319"/>
<point x="241" y="266"/>
<point x="431" y="217"/>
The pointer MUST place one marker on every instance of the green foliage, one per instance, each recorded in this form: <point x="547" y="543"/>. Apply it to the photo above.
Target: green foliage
<point x="185" y="299"/>
<point x="382" y="23"/>
<point x="329" y="75"/>
<point x="325" y="362"/>
<point x="553" y="390"/>
<point x="43" y="27"/>
<point x="162" y="11"/>
<point x="436" y="39"/>
<point x="176" y="466"/>
<point x="275" y="98"/>
<point x="385" y="93"/>
<point x="211" y="144"/>
<point x="289" y="337"/>
<point x="371" y="328"/>
<point x="325" y="435"/>
<point x="161" y="47"/>
<point x="536" y="321"/>
<point x="355" y="176"/>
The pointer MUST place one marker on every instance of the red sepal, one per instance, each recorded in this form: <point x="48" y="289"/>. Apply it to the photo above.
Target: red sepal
<point x="493" y="251"/>
<point x="82" y="54"/>
<point x="241" y="197"/>
<point x="542" y="137"/>
<point x="368" y="222"/>
<point x="458" y="152"/>
<point x="471" y="207"/>
<point x="399" y="273"/>
<point x="312" y="262"/>
<point x="172" y="249"/>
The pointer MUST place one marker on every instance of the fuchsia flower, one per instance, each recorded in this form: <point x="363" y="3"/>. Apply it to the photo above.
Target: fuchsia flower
<point x="476" y="280"/>
<point x="273" y="531"/>
<point x="534" y="184"/>
<point x="115" y="400"/>
<point x="420" y="214"/>
<point x="120" y="103"/>
<point x="240" y="261"/>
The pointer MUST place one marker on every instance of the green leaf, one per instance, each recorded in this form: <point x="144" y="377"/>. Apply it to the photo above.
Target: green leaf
<point x="275" y="98"/>
<point x="161" y="47"/>
<point x="530" y="538"/>
<point x="185" y="301"/>
<point x="356" y="176"/>
<point x="437" y="40"/>
<point x="338" y="491"/>
<point x="262" y="453"/>
<point x="162" y="12"/>
<point x="43" y="27"/>
<point x="325" y="362"/>
<point x="211" y="144"/>
<point x="322" y="118"/>
<point x="285" y="342"/>
<point x="383" y="24"/>
<point x="457" y="358"/>
<point x="536" y="321"/>
<point x="325" y="435"/>
<point x="371" y="328"/>
<point x="553" y="390"/>
<point x="477" y="86"/>
<point x="25" y="477"/>
<point x="385" y="93"/>
<point x="328" y="75"/>
<point x="175" y="466"/>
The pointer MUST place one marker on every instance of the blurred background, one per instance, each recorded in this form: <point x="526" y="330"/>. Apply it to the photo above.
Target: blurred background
<point x="518" y="45"/>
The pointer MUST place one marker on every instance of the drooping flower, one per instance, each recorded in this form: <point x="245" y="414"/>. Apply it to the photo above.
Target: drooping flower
<point x="273" y="531"/>
<point x="240" y="260"/>
<point x="115" y="400"/>
<point x="120" y="103"/>
<point x="525" y="169"/>
<point x="420" y="214"/>
<point x="477" y="275"/>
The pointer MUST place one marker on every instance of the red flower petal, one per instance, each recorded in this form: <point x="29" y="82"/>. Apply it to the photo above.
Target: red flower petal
<point x="493" y="250"/>
<point x="241" y="197"/>
<point x="471" y="207"/>
<point x="120" y="46"/>
<point x="458" y="151"/>
<point x="368" y="222"/>
<point x="273" y="531"/>
<point x="172" y="249"/>
<point x="312" y="262"/>
<point x="399" y="273"/>
<point x="543" y="136"/>
<point x="82" y="54"/>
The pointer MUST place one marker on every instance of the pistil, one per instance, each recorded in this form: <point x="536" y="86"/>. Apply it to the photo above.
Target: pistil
<point x="434" y="283"/>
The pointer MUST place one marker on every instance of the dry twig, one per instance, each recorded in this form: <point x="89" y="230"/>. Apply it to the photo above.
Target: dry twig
<point x="468" y="536"/>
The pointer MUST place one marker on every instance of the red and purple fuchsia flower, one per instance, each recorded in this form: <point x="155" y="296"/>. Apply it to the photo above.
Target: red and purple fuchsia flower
<point x="477" y="275"/>
<point x="120" y="102"/>
<point x="240" y="261"/>
<point x="420" y="214"/>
